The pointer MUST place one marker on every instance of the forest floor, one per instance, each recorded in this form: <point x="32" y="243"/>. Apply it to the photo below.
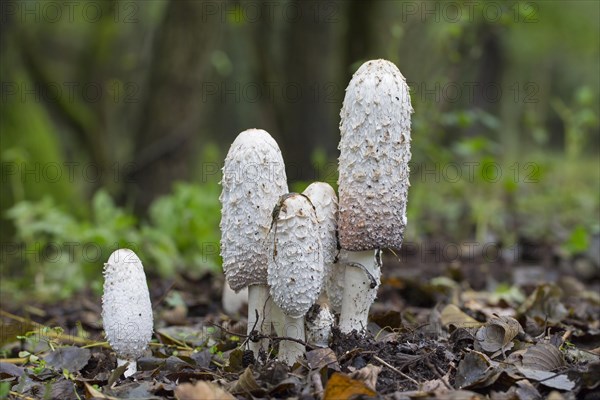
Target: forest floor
<point x="438" y="329"/>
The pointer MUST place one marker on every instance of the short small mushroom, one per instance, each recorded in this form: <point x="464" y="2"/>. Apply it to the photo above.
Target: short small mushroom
<point x="319" y="322"/>
<point x="253" y="180"/>
<point x="373" y="181"/>
<point x="295" y="268"/>
<point x="126" y="308"/>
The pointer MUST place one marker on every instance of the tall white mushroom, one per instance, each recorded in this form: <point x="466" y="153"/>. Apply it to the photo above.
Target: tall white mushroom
<point x="319" y="323"/>
<point x="373" y="181"/>
<point x="324" y="199"/>
<point x="126" y="308"/>
<point x="253" y="180"/>
<point x="295" y="268"/>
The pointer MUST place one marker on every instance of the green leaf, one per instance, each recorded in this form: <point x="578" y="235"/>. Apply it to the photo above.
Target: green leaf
<point x="578" y="242"/>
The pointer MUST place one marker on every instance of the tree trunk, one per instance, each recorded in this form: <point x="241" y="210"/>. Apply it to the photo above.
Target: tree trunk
<point x="170" y="120"/>
<point x="310" y="90"/>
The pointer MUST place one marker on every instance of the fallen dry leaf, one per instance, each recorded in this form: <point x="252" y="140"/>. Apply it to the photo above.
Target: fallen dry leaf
<point x="368" y="375"/>
<point x="321" y="358"/>
<point x="341" y="387"/>
<point x="549" y="379"/>
<point x="476" y="370"/>
<point x="543" y="357"/>
<point x="437" y="387"/>
<point x="246" y="383"/>
<point x="452" y="315"/>
<point x="91" y="393"/>
<point x="70" y="358"/>
<point x="497" y="333"/>
<point x="201" y="390"/>
<point x="545" y="303"/>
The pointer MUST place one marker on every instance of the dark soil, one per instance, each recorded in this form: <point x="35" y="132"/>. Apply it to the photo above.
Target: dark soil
<point x="410" y="350"/>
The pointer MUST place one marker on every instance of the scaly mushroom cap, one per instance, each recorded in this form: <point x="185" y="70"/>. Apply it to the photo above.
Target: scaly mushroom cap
<point x="374" y="155"/>
<point x="295" y="262"/>
<point x="324" y="199"/>
<point x="253" y="179"/>
<point x="126" y="307"/>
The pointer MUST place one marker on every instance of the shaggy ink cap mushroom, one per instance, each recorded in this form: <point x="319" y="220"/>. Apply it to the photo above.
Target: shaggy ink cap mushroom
<point x="295" y="269"/>
<point x="253" y="179"/>
<point x="126" y="307"/>
<point x="373" y="181"/>
<point x="325" y="202"/>
<point x="374" y="156"/>
<point x="295" y="260"/>
<point x="324" y="199"/>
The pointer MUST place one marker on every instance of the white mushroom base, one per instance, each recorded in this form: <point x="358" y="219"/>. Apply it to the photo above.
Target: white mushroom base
<point x="131" y="368"/>
<point x="289" y="351"/>
<point x="360" y="290"/>
<point x="318" y="327"/>
<point x="259" y="303"/>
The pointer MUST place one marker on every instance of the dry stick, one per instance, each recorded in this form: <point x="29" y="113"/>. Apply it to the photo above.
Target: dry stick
<point x="14" y="360"/>
<point x="20" y="396"/>
<point x="50" y="334"/>
<point x="395" y="370"/>
<point x="164" y="295"/>
<point x="260" y="336"/>
<point x="437" y="372"/>
<point x="247" y="336"/>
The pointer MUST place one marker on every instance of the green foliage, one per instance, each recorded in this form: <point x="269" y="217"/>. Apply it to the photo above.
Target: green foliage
<point x="578" y="241"/>
<point x="325" y="170"/>
<point x="4" y="389"/>
<point x="51" y="244"/>
<point x="190" y="218"/>
<point x="473" y="192"/>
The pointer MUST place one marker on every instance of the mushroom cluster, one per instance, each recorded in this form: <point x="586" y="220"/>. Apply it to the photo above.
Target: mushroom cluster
<point x="301" y="256"/>
<point x="308" y="253"/>
<point x="300" y="252"/>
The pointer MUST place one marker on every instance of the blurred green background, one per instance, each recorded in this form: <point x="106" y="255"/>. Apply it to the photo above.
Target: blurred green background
<point x="116" y="117"/>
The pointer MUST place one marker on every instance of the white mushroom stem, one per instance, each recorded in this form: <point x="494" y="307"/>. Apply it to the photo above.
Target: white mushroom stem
<point x="131" y="368"/>
<point x="290" y="351"/>
<point x="259" y="305"/>
<point x="278" y="319"/>
<point x="234" y="302"/>
<point x="362" y="278"/>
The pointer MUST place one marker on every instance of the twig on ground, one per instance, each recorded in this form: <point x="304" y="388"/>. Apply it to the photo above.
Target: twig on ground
<point x="258" y="336"/>
<point x="437" y="373"/>
<point x="21" y="360"/>
<point x="396" y="370"/>
<point x="47" y="331"/>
